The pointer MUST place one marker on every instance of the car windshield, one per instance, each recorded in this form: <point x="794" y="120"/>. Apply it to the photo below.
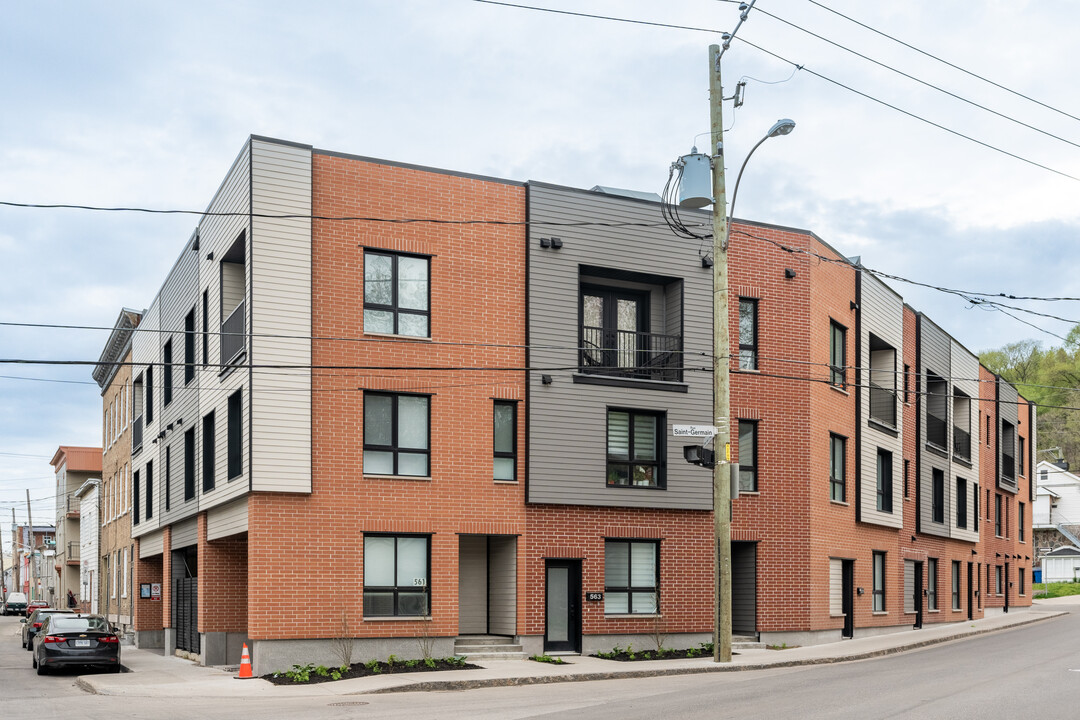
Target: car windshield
<point x="60" y="623"/>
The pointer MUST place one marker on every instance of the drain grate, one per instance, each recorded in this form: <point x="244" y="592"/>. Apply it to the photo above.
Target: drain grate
<point x="347" y="704"/>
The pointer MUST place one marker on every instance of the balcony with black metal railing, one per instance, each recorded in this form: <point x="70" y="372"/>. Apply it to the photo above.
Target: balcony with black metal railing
<point x="136" y="434"/>
<point x="961" y="443"/>
<point x="936" y="431"/>
<point x="630" y="354"/>
<point x="1008" y="466"/>
<point x="233" y="334"/>
<point x="72" y="557"/>
<point x="882" y="405"/>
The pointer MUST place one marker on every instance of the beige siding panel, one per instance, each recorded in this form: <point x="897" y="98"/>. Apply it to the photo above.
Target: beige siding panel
<point x="502" y="590"/>
<point x="836" y="586"/>
<point x="936" y="357"/>
<point x="909" y="586"/>
<point x="882" y="314"/>
<point x="226" y="520"/>
<point x="185" y="533"/>
<point x="568" y="421"/>
<point x="145" y="351"/>
<point x="151" y="544"/>
<point x="472" y="585"/>
<point x="281" y="318"/>
<point x="965" y="371"/>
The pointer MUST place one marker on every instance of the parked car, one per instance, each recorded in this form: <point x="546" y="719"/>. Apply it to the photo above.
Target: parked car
<point x="33" y="623"/>
<point x="75" y="640"/>
<point x="15" y="604"/>
<point x="34" y="605"/>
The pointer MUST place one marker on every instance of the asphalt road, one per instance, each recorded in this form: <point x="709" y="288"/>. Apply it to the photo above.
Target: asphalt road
<point x="1029" y="672"/>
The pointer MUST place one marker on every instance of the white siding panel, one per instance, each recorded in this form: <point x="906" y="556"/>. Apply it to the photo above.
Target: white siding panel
<point x="226" y="520"/>
<point x="836" y="586"/>
<point x="185" y="533"/>
<point x="152" y="544"/>
<point x="281" y="318"/>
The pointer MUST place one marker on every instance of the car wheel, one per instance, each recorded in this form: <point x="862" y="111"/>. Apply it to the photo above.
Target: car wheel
<point x="41" y="669"/>
<point x="33" y="660"/>
<point x="30" y="645"/>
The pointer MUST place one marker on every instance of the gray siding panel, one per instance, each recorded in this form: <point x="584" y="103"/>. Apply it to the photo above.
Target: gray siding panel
<point x="965" y="371"/>
<point x="502" y="587"/>
<point x="185" y="534"/>
<point x="744" y="588"/>
<point x="568" y="421"/>
<point x="151" y="544"/>
<point x="472" y="585"/>
<point x="936" y="354"/>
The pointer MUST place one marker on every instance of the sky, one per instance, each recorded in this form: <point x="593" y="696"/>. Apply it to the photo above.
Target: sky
<point x="140" y="104"/>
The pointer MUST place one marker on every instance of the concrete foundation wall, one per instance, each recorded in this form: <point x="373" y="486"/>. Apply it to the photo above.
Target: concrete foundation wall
<point x="268" y="656"/>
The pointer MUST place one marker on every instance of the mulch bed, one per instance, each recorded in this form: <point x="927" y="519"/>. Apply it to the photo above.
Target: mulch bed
<point x="666" y="654"/>
<point x="360" y="670"/>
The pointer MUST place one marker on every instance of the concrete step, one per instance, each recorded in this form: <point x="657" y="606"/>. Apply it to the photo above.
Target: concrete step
<point x="470" y="656"/>
<point x="461" y="649"/>
<point x="748" y="645"/>
<point x="482" y="640"/>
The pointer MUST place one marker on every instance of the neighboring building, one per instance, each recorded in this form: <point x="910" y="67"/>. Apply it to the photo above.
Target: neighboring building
<point x="1061" y="565"/>
<point x="31" y="570"/>
<point x="73" y="467"/>
<point x="433" y="430"/>
<point x="1057" y="507"/>
<point x="88" y="495"/>
<point x="113" y="375"/>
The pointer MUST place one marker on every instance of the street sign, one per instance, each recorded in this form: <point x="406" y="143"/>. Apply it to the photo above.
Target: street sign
<point x="693" y="430"/>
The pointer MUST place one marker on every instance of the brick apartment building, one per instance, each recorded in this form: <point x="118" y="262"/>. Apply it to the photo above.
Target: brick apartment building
<point x="116" y="549"/>
<point x="420" y="432"/>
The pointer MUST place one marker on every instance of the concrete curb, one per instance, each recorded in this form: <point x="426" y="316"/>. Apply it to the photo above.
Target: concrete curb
<point x="445" y="685"/>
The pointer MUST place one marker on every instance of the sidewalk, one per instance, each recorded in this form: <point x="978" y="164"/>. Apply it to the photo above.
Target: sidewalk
<point x="154" y="675"/>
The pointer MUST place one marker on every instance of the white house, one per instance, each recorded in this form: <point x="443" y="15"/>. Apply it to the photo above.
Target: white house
<point x="1062" y="565"/>
<point x="88" y="543"/>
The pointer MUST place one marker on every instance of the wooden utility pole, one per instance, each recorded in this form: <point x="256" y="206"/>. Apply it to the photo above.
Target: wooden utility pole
<point x="33" y="549"/>
<point x="16" y="567"/>
<point x="721" y="365"/>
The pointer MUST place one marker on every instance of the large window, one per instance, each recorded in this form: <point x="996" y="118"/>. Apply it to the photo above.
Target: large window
<point x="975" y="506"/>
<point x="189" y="464"/>
<point x="879" y="581"/>
<point x="168" y="477"/>
<point x="189" y="347"/>
<point x="938" y="495"/>
<point x="837" y="461"/>
<point x="635" y="448"/>
<point x="505" y="440"/>
<point x="961" y="503"/>
<point x="748" y="334"/>
<point x="149" y="395"/>
<point x="205" y="327"/>
<point x="748" y="447"/>
<point x="397" y="578"/>
<point x="166" y="369"/>
<point x="997" y="515"/>
<point x="999" y="581"/>
<point x="631" y="576"/>
<point x="396" y="434"/>
<point x="955" y="584"/>
<point x="884" y="480"/>
<point x="397" y="294"/>
<point x="837" y="354"/>
<point x="1020" y="522"/>
<point x="209" y="443"/>
<point x="149" y="489"/>
<point x="236" y="435"/>
<point x="931" y="583"/>
<point x="135" y="497"/>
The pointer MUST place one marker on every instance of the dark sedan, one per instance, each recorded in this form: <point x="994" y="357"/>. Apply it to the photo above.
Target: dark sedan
<point x="70" y="639"/>
<point x="33" y="623"/>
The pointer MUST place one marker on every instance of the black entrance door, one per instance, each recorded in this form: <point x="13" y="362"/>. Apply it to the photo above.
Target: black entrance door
<point x="971" y="609"/>
<point x="1005" y="587"/>
<point x="185" y="600"/>
<point x="848" y="601"/>
<point x="918" y="592"/>
<point x="562" y="605"/>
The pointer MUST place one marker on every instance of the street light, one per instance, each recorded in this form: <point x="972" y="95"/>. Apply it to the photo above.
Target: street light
<point x="780" y="127"/>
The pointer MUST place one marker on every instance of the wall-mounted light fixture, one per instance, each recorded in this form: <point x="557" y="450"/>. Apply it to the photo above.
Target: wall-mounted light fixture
<point x="860" y="591"/>
<point x="546" y="379"/>
<point x="556" y="243"/>
<point x="545" y="242"/>
<point x="789" y="273"/>
<point x="210" y="255"/>
<point x="706" y="261"/>
<point x="913" y="538"/>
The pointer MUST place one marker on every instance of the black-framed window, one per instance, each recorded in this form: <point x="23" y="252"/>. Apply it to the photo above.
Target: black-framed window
<point x="397" y="434"/>
<point x="189" y="464"/>
<point x="397" y="575"/>
<point x="189" y="347"/>
<point x="635" y="448"/>
<point x="748" y="334"/>
<point x="931" y="583"/>
<point x="166" y="373"/>
<point x="209" y="446"/>
<point x="505" y="440"/>
<point x="1020" y="578"/>
<point x="907" y="386"/>
<point x="937" y="481"/>
<point x="614" y="329"/>
<point x="884" y="481"/>
<point x="1020" y="521"/>
<point x="879" y="581"/>
<point x="961" y="503"/>
<point x="955" y="584"/>
<point x="1020" y="456"/>
<point x="168" y="476"/>
<point x="206" y="327"/>
<point x="997" y="515"/>
<point x="907" y="475"/>
<point x="837" y="467"/>
<point x="236" y="435"/>
<point x="149" y="391"/>
<point x="748" y="451"/>
<point x="975" y="506"/>
<point x="397" y="294"/>
<point x="837" y="354"/>
<point x="135" y="498"/>
<point x="631" y="577"/>
<point x="149" y="489"/>
<point x="999" y="579"/>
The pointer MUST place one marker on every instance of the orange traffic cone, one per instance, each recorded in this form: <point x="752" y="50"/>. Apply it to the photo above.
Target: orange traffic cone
<point x="245" y="664"/>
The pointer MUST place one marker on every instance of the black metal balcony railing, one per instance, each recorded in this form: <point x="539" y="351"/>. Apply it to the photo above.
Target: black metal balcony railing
<point x="136" y="433"/>
<point x="72" y="505"/>
<point x="625" y="353"/>
<point x="233" y="334"/>
<point x="935" y="430"/>
<point x="961" y="443"/>
<point x="1008" y="466"/>
<point x="882" y="405"/>
<point x="72" y="551"/>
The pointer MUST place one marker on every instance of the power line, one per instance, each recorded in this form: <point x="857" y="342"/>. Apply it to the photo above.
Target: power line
<point x="944" y="62"/>
<point x="924" y="83"/>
